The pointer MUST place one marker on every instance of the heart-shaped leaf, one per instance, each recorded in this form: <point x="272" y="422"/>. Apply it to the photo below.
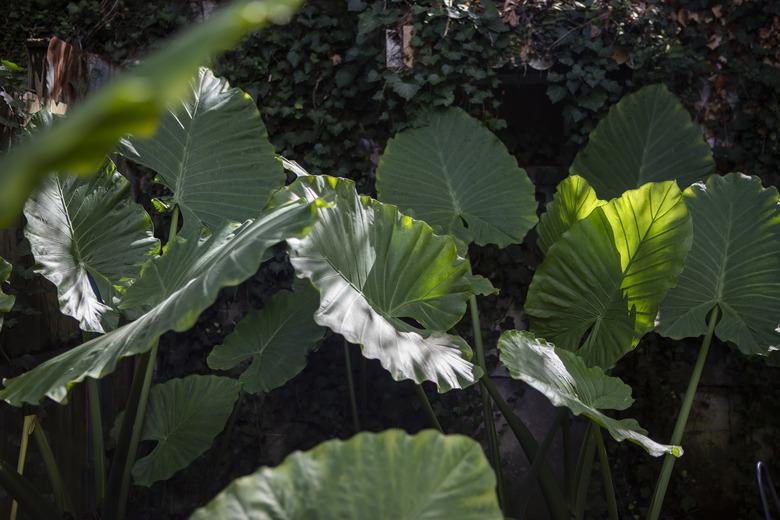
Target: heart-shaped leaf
<point x="734" y="263"/>
<point x="373" y="267"/>
<point x="457" y="176"/>
<point x="599" y="288"/>
<point x="131" y="104"/>
<point x="212" y="152"/>
<point x="6" y="300"/>
<point x="565" y="379"/>
<point x="648" y="136"/>
<point x="184" y="417"/>
<point x="173" y="290"/>
<point x="383" y="476"/>
<point x="89" y="238"/>
<point x="277" y="339"/>
<point x="574" y="199"/>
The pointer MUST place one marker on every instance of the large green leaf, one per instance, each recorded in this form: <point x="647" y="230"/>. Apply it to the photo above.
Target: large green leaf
<point x="184" y="417"/>
<point x="378" y="476"/>
<point x="734" y="263"/>
<point x="457" y="176"/>
<point x="574" y="199"/>
<point x="277" y="339"/>
<point x="565" y="379"/>
<point x="88" y="235"/>
<point x="6" y="300"/>
<point x="374" y="266"/>
<point x="603" y="280"/>
<point x="648" y="136"/>
<point x="212" y="151"/>
<point x="131" y="104"/>
<point x="173" y="290"/>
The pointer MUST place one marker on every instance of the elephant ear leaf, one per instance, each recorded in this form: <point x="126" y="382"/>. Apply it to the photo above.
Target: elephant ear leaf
<point x="6" y="300"/>
<point x="600" y="285"/>
<point x="171" y="293"/>
<point x="565" y="379"/>
<point x="648" y="136"/>
<point x="574" y="200"/>
<point x="376" y="268"/>
<point x="456" y="175"/>
<point x="372" y="475"/>
<point x="130" y="104"/>
<point x="89" y="238"/>
<point x="734" y="263"/>
<point x="184" y="417"/>
<point x="277" y="339"/>
<point x="212" y="152"/>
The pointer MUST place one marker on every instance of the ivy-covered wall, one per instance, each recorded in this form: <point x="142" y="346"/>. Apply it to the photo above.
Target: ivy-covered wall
<point x="540" y="73"/>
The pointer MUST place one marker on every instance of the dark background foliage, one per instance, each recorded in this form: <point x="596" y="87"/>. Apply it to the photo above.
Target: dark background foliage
<point x="538" y="72"/>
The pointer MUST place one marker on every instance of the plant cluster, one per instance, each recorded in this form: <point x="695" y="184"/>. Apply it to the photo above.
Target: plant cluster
<point x="642" y="235"/>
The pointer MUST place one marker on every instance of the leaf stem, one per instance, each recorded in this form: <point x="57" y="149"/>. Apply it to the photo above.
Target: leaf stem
<point x="98" y="449"/>
<point x="584" y="471"/>
<point x="174" y="225"/>
<point x="129" y="437"/>
<point x="682" y="418"/>
<point x="27" y="426"/>
<point x="351" y="385"/>
<point x="61" y="494"/>
<point x="487" y="408"/>
<point x="35" y="505"/>
<point x="527" y="486"/>
<point x="552" y="493"/>
<point x="606" y="473"/>
<point x="428" y="408"/>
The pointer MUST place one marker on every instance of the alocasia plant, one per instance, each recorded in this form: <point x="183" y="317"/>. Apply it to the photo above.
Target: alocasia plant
<point x="388" y="476"/>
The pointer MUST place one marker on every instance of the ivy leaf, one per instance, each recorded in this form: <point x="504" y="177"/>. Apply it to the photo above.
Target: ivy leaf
<point x="184" y="417"/>
<point x="88" y="235"/>
<point x="456" y="175"/>
<point x="373" y="475"/>
<point x="734" y="264"/>
<point x="212" y="151"/>
<point x="277" y="339"/>
<point x="402" y="88"/>
<point x="565" y="379"/>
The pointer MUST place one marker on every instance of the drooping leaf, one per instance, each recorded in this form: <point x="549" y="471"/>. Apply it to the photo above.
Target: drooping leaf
<point x="574" y="199"/>
<point x="89" y="238"/>
<point x="6" y="300"/>
<point x="648" y="136"/>
<point x="374" y="266"/>
<point x="131" y="104"/>
<point x="457" y="176"/>
<point x="382" y="476"/>
<point x="734" y="263"/>
<point x="211" y="150"/>
<point x="173" y="290"/>
<point x="184" y="417"/>
<point x="565" y="379"/>
<point x="277" y="339"/>
<point x="601" y="283"/>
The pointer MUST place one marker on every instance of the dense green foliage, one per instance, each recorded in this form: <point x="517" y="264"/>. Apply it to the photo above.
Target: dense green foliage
<point x="324" y="138"/>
